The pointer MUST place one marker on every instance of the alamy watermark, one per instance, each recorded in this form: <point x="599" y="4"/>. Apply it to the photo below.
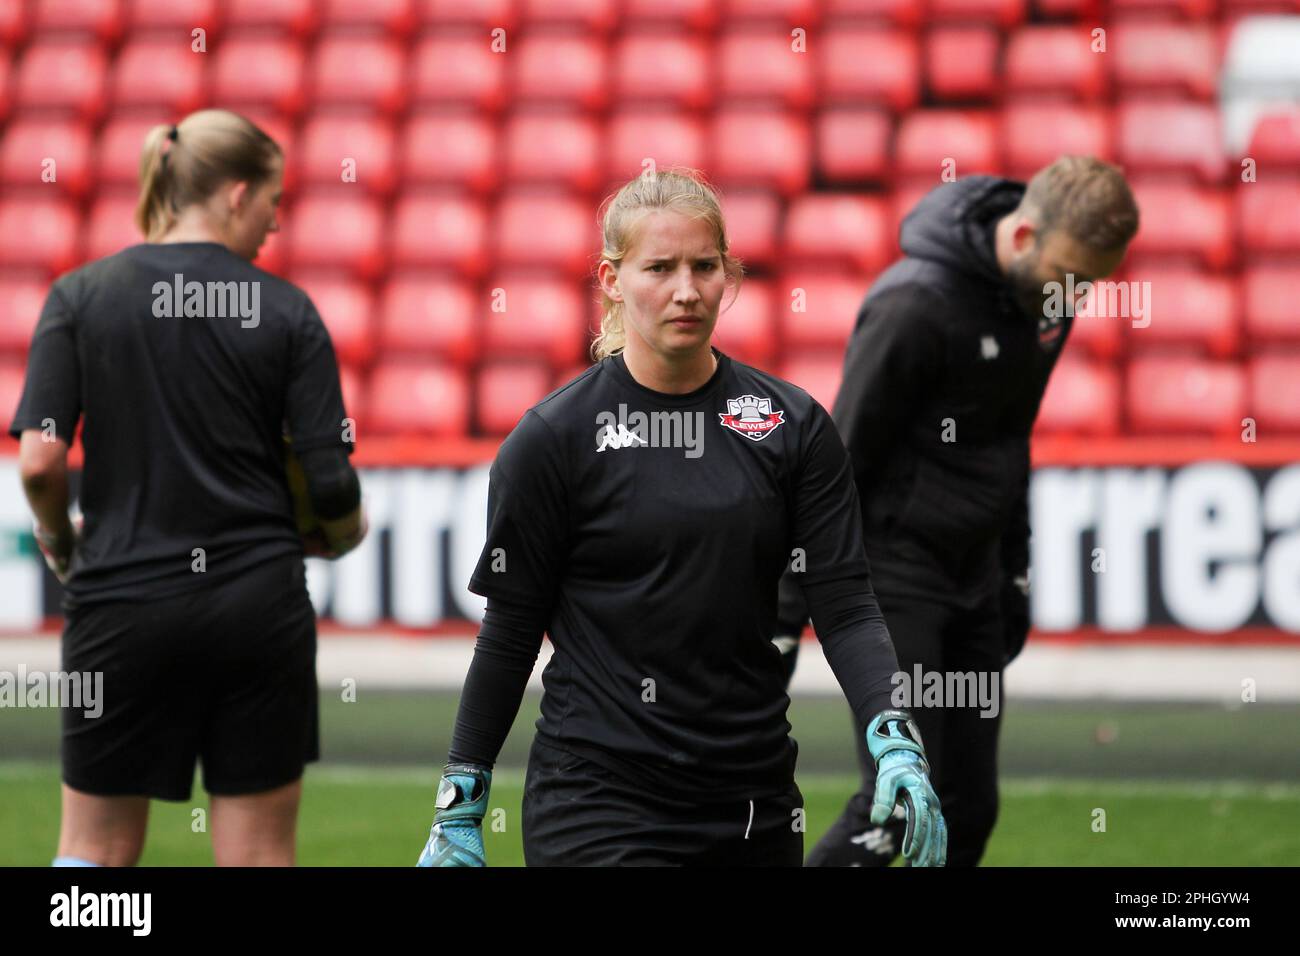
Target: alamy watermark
<point x="650" y="430"/>
<point x="79" y="690"/>
<point x="1102" y="299"/>
<point x="923" y="688"/>
<point x="209" y="300"/>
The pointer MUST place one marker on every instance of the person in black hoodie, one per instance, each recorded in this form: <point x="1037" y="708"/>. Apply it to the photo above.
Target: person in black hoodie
<point x="943" y="377"/>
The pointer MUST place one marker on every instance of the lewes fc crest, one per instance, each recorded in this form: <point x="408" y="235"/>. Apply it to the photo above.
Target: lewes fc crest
<point x="752" y="417"/>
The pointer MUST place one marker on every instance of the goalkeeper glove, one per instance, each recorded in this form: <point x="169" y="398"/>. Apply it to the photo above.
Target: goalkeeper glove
<point x="901" y="772"/>
<point x="456" y="838"/>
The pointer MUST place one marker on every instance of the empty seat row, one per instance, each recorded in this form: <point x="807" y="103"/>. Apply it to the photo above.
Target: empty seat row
<point x="342" y="228"/>
<point x="846" y="66"/>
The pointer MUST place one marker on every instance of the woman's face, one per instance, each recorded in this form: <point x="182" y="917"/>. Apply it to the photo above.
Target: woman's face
<point x="670" y="283"/>
<point x="254" y="215"/>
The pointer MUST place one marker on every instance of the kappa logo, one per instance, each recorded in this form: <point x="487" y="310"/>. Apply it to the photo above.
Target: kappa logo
<point x="1049" y="330"/>
<point x="989" y="347"/>
<point x="619" y="439"/>
<point x="752" y="417"/>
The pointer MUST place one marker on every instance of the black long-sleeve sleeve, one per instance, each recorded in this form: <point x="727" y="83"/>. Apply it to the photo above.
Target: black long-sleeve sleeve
<point x="856" y="642"/>
<point x="504" y="656"/>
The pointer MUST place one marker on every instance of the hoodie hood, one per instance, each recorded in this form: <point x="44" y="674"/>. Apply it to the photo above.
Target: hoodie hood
<point x="953" y="224"/>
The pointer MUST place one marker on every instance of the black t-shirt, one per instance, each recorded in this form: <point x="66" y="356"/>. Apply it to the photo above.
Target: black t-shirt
<point x="656" y="564"/>
<point x="183" y="415"/>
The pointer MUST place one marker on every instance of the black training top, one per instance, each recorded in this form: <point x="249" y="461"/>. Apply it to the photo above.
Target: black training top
<point x="650" y="530"/>
<point x="186" y="362"/>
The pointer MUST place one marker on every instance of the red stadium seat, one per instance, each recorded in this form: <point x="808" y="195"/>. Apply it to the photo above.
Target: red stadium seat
<point x="1171" y="137"/>
<point x="1268" y="215"/>
<point x="667" y="137"/>
<point x="928" y="139"/>
<point x="347" y="308"/>
<point x="869" y="66"/>
<point x="1054" y="59"/>
<point x="359" y="71"/>
<point x="905" y="197"/>
<point x="1085" y="10"/>
<point x="817" y="373"/>
<point x="39" y="233"/>
<point x="117" y="151"/>
<point x="298" y="17"/>
<point x="1096" y="330"/>
<point x="1191" y="9"/>
<point x="1005" y="13"/>
<point x="752" y="217"/>
<point x="103" y="18"/>
<point x="565" y="68"/>
<point x="1180" y="219"/>
<point x="110" y="226"/>
<point x="34" y="150"/>
<point x="337" y="229"/>
<point x="1185" y="307"/>
<point x="11" y="388"/>
<point x="1033" y="135"/>
<point x="6" y="81"/>
<point x="440" y="231"/>
<point x="163" y="73"/>
<point x="456" y="150"/>
<point x="328" y="141"/>
<point x="697" y="15"/>
<point x="793" y="13"/>
<point x="22" y="296"/>
<point x="746" y="328"/>
<point x="1271" y="295"/>
<point x="1183" y="394"/>
<point x="596" y="15"/>
<point x="760" y="65"/>
<point x="13" y="23"/>
<point x="569" y="241"/>
<point x="469" y="13"/>
<point x="819" y="309"/>
<point x="430" y="314"/>
<point x="504" y="391"/>
<point x="672" y="68"/>
<point x="838" y="231"/>
<point x="1275" y="393"/>
<point x="418" y="398"/>
<point x="553" y="149"/>
<point x="761" y="148"/>
<point x="460" y="70"/>
<point x="266" y="71"/>
<point x="542" y="315"/>
<point x="962" y="62"/>
<point x="1276" y="139"/>
<point x="853" y="145"/>
<point x="184" y="15"/>
<point x="904" y="13"/>
<point x="1164" y="56"/>
<point x="1082" y="397"/>
<point x="62" y="74"/>
<point x="398" y="17"/>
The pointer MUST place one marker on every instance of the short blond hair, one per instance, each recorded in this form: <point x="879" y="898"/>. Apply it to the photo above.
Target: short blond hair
<point x="1087" y="198"/>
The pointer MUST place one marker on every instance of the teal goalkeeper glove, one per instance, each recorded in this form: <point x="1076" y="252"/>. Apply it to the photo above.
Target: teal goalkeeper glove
<point x="901" y="772"/>
<point x="456" y="838"/>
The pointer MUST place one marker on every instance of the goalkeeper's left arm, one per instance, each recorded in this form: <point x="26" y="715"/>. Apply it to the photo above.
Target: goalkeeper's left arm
<point x="504" y="655"/>
<point x="858" y="648"/>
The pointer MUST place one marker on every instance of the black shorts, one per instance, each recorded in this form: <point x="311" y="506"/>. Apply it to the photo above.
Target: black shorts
<point x="225" y="675"/>
<point x="576" y="813"/>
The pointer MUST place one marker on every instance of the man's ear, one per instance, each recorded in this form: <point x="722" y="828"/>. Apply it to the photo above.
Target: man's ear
<point x="1024" y="235"/>
<point x="608" y="275"/>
